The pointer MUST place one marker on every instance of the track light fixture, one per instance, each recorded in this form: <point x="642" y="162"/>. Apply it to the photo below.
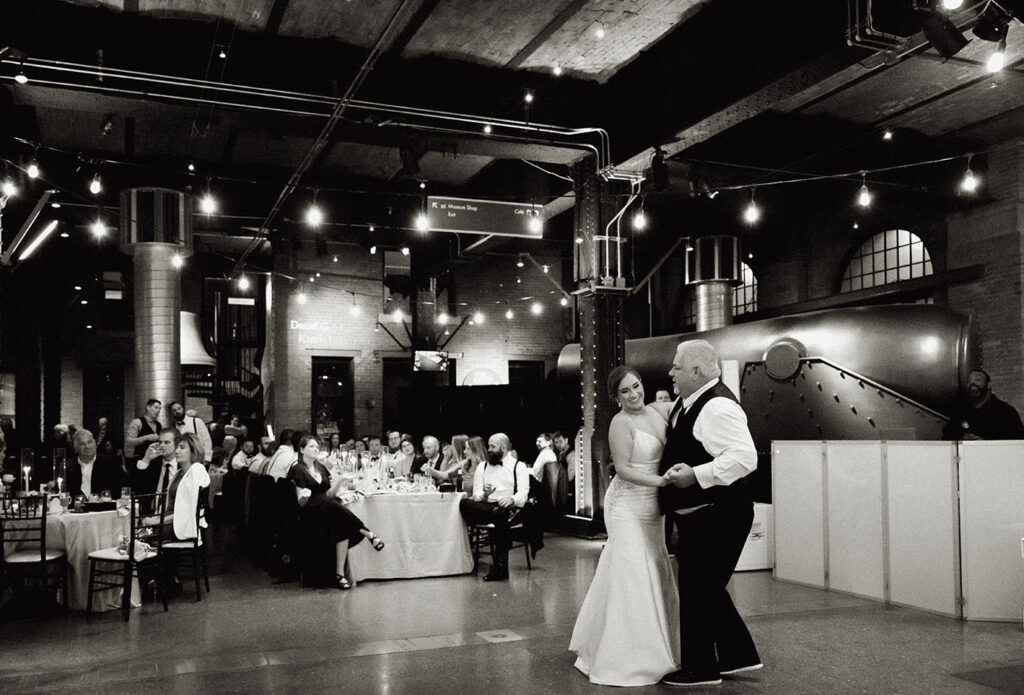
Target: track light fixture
<point x="940" y="31"/>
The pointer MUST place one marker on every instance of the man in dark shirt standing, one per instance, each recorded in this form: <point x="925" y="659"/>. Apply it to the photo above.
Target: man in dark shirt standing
<point x="983" y="416"/>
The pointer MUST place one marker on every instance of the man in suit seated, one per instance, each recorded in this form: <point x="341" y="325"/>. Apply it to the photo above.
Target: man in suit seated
<point x="91" y="473"/>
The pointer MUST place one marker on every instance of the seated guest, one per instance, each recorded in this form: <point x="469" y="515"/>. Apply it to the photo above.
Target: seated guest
<point x="549" y="472"/>
<point x="158" y="464"/>
<point x="476" y="455"/>
<point x="183" y="492"/>
<point x="359" y="447"/>
<point x="430" y="463"/>
<point x="403" y="463"/>
<point x="223" y="454"/>
<point x="334" y="444"/>
<point x="284" y="458"/>
<point x="235" y="427"/>
<point x="247" y="457"/>
<point x="321" y="509"/>
<point x="90" y="472"/>
<point x="500" y="489"/>
<point x="451" y="465"/>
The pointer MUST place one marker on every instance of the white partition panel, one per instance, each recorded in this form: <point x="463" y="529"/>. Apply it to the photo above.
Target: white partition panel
<point x="992" y="526"/>
<point x="856" y="551"/>
<point x="799" y="514"/>
<point x="923" y="554"/>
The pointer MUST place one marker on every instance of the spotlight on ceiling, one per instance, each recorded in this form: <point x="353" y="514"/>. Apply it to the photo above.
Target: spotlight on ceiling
<point x="941" y="32"/>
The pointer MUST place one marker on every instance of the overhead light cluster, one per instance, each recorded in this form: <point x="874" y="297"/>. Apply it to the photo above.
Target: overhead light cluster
<point x="993" y="25"/>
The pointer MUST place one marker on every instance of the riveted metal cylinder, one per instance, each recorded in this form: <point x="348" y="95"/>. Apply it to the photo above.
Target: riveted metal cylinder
<point x="713" y="305"/>
<point x="156" y="225"/>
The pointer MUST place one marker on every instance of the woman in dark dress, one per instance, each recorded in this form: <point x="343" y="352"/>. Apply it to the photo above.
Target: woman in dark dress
<point x="321" y="509"/>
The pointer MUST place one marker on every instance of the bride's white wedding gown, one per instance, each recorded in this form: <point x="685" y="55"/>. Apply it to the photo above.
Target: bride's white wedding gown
<point x="627" y="632"/>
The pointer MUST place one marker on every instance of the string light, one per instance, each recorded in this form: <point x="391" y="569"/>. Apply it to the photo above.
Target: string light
<point x="301" y="297"/>
<point x="21" y="77"/>
<point x="398" y="315"/>
<point x="519" y="262"/>
<point x="535" y="225"/>
<point x="177" y="260"/>
<point x="208" y="204"/>
<point x="640" y="221"/>
<point x="442" y="318"/>
<point x="970" y="182"/>
<point x="752" y="213"/>
<point x="599" y="31"/>
<point x="8" y="188"/>
<point x="243" y="283"/>
<point x="314" y="215"/>
<point x="536" y="308"/>
<point x="557" y="71"/>
<point x="952" y="4"/>
<point x="528" y="96"/>
<point x="98" y="229"/>
<point x="509" y="315"/>
<point x="864" y="197"/>
<point x="997" y="60"/>
<point x="421" y="223"/>
<point x="488" y="129"/>
<point x="405" y="250"/>
<point x="95" y="186"/>
<point x="478" y="317"/>
<point x="887" y="134"/>
<point x="564" y="301"/>
<point x="33" y="170"/>
<point x="191" y="166"/>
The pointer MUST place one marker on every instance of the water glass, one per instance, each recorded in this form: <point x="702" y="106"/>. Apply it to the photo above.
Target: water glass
<point x="65" y="502"/>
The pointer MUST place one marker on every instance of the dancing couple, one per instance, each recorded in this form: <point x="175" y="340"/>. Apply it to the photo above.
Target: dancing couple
<point x="688" y="458"/>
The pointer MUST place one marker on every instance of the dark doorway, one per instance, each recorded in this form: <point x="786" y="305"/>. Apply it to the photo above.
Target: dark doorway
<point x="397" y="378"/>
<point x="332" y="396"/>
<point x="525" y="372"/>
<point x="103" y="396"/>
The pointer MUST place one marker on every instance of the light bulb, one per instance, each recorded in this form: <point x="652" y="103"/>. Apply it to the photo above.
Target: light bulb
<point x="95" y="187"/>
<point x="535" y="225"/>
<point x="373" y="250"/>
<point x="8" y="188"/>
<point x="33" y="170"/>
<point x="208" y="204"/>
<point x="564" y="301"/>
<point x="422" y="224"/>
<point x="752" y="213"/>
<point x="399" y="316"/>
<point x="520" y="263"/>
<point x="478" y="317"/>
<point x="528" y="97"/>
<point x="301" y="298"/>
<point x="557" y="71"/>
<point x="640" y="221"/>
<point x="509" y="314"/>
<point x="98" y="229"/>
<point x="177" y="261"/>
<point x="864" y="197"/>
<point x="488" y="129"/>
<point x="405" y="250"/>
<point x="952" y="4"/>
<point x="442" y="318"/>
<point x="599" y="31"/>
<point x="887" y="134"/>
<point x="21" y="78"/>
<point x="243" y="283"/>
<point x="536" y="308"/>
<point x="997" y="60"/>
<point x="191" y="166"/>
<point x="970" y="182"/>
<point x="314" y="216"/>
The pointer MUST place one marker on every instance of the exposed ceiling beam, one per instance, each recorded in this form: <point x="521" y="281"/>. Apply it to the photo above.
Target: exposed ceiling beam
<point x="412" y="27"/>
<point x="544" y="34"/>
<point x="275" y="16"/>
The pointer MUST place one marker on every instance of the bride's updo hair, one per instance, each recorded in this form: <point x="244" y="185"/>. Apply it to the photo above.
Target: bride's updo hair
<point x="616" y="377"/>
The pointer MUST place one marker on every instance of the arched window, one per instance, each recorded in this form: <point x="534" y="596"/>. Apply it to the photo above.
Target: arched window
<point x="886" y="258"/>
<point x="744" y="295"/>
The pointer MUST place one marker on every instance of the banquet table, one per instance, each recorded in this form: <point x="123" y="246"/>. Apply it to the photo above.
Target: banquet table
<point x="78" y="535"/>
<point x="424" y="533"/>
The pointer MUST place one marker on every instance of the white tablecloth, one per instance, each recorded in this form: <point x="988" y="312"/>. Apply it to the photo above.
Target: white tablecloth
<point x="424" y="533"/>
<point x="78" y="535"/>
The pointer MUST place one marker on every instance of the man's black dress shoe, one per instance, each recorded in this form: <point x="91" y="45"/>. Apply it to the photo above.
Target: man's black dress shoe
<point x="727" y="670"/>
<point x="688" y="678"/>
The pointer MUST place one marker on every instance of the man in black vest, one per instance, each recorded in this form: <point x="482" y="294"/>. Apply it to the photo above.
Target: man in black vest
<point x="706" y="459"/>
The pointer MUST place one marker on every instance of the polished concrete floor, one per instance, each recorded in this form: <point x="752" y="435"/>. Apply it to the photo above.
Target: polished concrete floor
<point x="453" y="635"/>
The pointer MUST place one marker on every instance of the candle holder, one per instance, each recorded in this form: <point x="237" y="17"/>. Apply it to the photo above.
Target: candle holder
<point x="28" y="464"/>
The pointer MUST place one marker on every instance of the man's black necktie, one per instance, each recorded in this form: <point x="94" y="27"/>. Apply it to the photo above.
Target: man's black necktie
<point x="675" y="411"/>
<point x="166" y="478"/>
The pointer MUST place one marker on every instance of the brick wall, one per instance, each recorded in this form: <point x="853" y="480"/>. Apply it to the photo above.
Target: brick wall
<point x="72" y="402"/>
<point x="324" y="326"/>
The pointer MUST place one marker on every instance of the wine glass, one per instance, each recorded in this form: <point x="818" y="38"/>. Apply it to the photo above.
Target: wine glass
<point x="65" y="502"/>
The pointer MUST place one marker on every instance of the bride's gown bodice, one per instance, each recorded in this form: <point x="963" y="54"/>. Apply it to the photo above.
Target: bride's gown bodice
<point x="624" y="497"/>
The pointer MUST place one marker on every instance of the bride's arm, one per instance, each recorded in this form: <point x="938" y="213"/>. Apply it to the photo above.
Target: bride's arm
<point x="620" y="441"/>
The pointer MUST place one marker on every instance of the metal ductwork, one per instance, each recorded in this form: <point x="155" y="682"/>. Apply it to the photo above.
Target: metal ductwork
<point x="711" y="272"/>
<point x="193" y="353"/>
<point x="156" y="226"/>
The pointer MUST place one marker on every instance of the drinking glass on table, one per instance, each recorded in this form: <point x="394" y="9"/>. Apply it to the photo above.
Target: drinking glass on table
<point x="105" y="496"/>
<point x="65" y="502"/>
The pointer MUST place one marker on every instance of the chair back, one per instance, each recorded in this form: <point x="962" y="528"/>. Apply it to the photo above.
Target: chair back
<point x="23" y="524"/>
<point x="147" y="523"/>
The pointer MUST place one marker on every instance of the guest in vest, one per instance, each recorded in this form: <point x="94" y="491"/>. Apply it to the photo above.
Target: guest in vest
<point x="186" y="424"/>
<point x="708" y="454"/>
<point x="142" y="431"/>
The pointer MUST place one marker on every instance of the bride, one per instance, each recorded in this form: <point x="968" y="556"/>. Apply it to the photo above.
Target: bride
<point x="627" y="632"/>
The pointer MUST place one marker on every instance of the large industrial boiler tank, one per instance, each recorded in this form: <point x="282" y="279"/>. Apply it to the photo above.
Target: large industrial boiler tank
<point x="889" y="372"/>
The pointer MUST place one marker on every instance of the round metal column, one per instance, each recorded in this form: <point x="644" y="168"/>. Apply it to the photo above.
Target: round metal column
<point x="156" y="225"/>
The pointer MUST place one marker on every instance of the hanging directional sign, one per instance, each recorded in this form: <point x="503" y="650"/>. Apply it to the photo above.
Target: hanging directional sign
<point x="484" y="217"/>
